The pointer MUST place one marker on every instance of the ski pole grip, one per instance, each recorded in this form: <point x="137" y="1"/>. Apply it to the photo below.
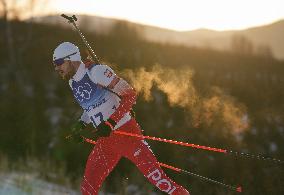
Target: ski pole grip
<point x="70" y="19"/>
<point x="74" y="18"/>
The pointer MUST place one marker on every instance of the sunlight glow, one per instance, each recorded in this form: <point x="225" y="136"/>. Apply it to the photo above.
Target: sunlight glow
<point x="181" y="14"/>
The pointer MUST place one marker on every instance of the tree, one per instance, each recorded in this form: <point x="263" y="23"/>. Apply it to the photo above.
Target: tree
<point x="264" y="51"/>
<point x="241" y="45"/>
<point x="14" y="10"/>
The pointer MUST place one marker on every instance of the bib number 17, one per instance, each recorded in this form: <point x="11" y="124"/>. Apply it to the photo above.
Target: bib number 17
<point x="97" y="117"/>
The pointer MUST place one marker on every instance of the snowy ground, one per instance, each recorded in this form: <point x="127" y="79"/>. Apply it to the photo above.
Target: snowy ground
<point x="16" y="183"/>
<point x="28" y="184"/>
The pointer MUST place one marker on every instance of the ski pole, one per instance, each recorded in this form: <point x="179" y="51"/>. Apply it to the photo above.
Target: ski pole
<point x="247" y="155"/>
<point x="172" y="142"/>
<point x="72" y="20"/>
<point x="238" y="189"/>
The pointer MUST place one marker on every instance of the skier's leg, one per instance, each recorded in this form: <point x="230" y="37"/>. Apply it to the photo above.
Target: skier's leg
<point x="100" y="163"/>
<point x="145" y="160"/>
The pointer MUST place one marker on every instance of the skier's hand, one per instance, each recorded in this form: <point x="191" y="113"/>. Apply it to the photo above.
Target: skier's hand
<point x="76" y="131"/>
<point x="105" y="128"/>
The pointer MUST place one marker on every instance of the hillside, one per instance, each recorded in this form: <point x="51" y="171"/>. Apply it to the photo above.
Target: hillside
<point x="270" y="36"/>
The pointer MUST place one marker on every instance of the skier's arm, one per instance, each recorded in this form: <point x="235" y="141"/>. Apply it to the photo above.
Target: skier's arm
<point x="106" y="77"/>
<point x="126" y="93"/>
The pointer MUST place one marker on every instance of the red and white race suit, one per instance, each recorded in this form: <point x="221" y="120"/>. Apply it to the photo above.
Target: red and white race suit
<point x="104" y="95"/>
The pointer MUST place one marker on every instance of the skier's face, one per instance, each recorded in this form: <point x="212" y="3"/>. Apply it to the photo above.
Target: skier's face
<point x="65" y="70"/>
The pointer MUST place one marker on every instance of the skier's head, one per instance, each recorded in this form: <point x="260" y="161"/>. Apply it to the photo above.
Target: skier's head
<point x="66" y="59"/>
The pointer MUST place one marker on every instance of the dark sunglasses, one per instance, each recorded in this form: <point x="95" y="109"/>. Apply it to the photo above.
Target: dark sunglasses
<point x="60" y="61"/>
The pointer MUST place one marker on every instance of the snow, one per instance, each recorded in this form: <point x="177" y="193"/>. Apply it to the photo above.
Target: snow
<point x="26" y="184"/>
<point x="17" y="183"/>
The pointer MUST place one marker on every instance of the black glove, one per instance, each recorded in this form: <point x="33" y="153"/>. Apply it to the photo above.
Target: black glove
<point x="104" y="129"/>
<point x="76" y="131"/>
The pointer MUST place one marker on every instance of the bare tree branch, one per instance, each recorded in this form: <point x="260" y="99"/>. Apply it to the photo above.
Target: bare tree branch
<point x="15" y="10"/>
<point x="4" y="8"/>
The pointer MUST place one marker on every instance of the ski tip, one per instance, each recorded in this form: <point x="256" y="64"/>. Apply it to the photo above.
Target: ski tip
<point x="239" y="189"/>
